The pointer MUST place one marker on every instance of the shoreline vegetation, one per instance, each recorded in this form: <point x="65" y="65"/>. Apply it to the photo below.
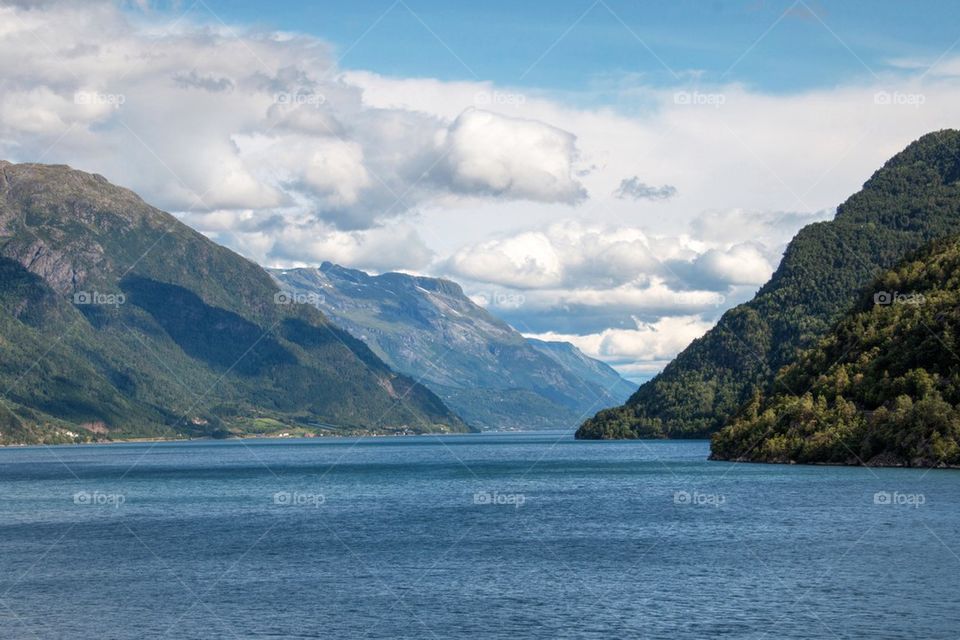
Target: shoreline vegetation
<point x="852" y="465"/>
<point x="271" y="436"/>
<point x="64" y="438"/>
<point x="249" y="436"/>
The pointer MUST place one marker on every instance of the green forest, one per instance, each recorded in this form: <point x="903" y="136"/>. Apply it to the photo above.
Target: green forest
<point x="882" y="388"/>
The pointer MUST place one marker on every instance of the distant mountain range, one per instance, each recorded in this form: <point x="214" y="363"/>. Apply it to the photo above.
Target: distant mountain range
<point x="482" y="368"/>
<point x="118" y="321"/>
<point x="912" y="199"/>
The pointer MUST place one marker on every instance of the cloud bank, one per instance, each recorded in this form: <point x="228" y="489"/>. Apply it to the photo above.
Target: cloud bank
<point x="260" y="127"/>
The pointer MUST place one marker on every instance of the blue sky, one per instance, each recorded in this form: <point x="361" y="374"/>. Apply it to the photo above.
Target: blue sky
<point x="577" y="45"/>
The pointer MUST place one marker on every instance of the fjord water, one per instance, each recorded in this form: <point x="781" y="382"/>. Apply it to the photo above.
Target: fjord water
<point x="485" y="536"/>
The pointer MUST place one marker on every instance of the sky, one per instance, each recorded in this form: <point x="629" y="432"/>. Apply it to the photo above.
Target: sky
<point x="615" y="174"/>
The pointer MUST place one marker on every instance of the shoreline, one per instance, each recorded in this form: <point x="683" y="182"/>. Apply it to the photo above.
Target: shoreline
<point x="324" y="436"/>
<point x="791" y="463"/>
<point x="709" y="458"/>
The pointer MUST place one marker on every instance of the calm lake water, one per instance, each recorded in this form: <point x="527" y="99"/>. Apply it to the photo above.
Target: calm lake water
<point x="482" y="536"/>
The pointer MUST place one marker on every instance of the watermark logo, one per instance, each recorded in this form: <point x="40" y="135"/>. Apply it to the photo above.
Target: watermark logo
<point x="887" y="298"/>
<point x="298" y="499"/>
<point x="895" y="498"/>
<point x="97" y="298"/>
<point x="290" y="297"/>
<point x="699" y="298"/>
<point x="897" y="98"/>
<point x="499" y="99"/>
<point x="499" y="299"/>
<point x="299" y="99"/>
<point x="696" y="98"/>
<point x="516" y="500"/>
<point x="114" y="100"/>
<point x="697" y="499"/>
<point x="99" y="499"/>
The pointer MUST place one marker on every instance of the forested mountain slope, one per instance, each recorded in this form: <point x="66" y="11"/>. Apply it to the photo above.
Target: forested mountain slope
<point x="912" y="199"/>
<point x="117" y="321"/>
<point x="882" y="388"/>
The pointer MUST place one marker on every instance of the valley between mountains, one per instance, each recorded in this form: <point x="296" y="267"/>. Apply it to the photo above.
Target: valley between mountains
<point x="118" y="321"/>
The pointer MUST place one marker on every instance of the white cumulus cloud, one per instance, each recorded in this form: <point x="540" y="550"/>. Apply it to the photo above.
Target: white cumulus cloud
<point x="520" y="158"/>
<point x="641" y="351"/>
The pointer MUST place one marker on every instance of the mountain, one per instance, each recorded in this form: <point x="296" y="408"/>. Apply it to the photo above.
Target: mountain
<point x="882" y="388"/>
<point x="119" y="321"/>
<point x="913" y="198"/>
<point x="585" y="367"/>
<point x="480" y="366"/>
